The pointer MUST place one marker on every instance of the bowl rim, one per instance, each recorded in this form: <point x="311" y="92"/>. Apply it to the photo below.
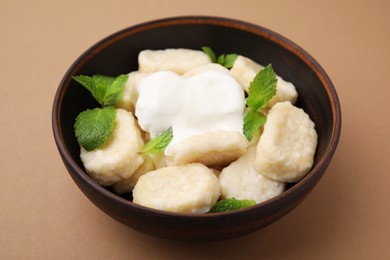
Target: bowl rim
<point x="206" y="20"/>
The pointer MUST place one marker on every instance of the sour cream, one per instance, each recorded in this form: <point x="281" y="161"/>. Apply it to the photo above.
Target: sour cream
<point x="206" y="102"/>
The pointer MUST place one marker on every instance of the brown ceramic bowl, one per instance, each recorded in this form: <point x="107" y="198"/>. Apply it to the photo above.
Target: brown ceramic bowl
<point x="117" y="54"/>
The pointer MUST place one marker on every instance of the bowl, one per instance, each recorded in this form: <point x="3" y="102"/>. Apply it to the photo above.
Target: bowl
<point x="117" y="54"/>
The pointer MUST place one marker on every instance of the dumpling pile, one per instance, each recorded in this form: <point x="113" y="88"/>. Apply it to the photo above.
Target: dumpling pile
<point x="200" y="168"/>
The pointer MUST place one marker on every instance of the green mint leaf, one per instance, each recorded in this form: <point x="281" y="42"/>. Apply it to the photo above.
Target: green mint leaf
<point x="227" y="60"/>
<point x="106" y="90"/>
<point x="103" y="80"/>
<point x="262" y="88"/>
<point x="90" y="84"/>
<point x="158" y="143"/>
<point x="93" y="127"/>
<point x="115" y="90"/>
<point x="252" y="121"/>
<point x="102" y="84"/>
<point x="231" y="204"/>
<point x="210" y="53"/>
<point x="221" y="59"/>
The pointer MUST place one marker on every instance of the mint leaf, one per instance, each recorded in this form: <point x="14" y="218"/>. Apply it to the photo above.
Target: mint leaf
<point x="93" y="127"/>
<point x="158" y="143"/>
<point x="221" y="59"/>
<point x="106" y="90"/>
<point x="90" y="85"/>
<point x="115" y="90"/>
<point x="101" y="85"/>
<point x="210" y="53"/>
<point x="227" y="60"/>
<point x="103" y="79"/>
<point x="231" y="204"/>
<point x="262" y="88"/>
<point x="252" y="121"/>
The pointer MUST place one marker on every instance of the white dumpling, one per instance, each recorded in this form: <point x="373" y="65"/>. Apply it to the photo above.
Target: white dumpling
<point x="211" y="148"/>
<point x="191" y="188"/>
<point x="130" y="92"/>
<point x="176" y="60"/>
<point x="244" y="70"/>
<point x="128" y="184"/>
<point x="285" y="91"/>
<point x="118" y="158"/>
<point x="241" y="180"/>
<point x="285" y="151"/>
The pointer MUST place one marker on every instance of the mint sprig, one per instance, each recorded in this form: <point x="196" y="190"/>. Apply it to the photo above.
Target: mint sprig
<point x="226" y="60"/>
<point x="93" y="127"/>
<point x="231" y="204"/>
<point x="106" y="90"/>
<point x="158" y="143"/>
<point x="261" y="90"/>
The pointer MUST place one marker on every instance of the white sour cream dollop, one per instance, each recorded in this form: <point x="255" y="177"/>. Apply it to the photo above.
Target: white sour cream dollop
<point x="206" y="102"/>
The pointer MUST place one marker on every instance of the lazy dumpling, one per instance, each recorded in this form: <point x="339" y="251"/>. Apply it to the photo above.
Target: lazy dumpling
<point x="128" y="184"/>
<point x="216" y="148"/>
<point x="118" y="158"/>
<point x="285" y="151"/>
<point x="130" y="92"/>
<point x="191" y="188"/>
<point x="176" y="60"/>
<point x="241" y="180"/>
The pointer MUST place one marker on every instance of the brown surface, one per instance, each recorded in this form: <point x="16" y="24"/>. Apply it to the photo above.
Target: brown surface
<point x="44" y="215"/>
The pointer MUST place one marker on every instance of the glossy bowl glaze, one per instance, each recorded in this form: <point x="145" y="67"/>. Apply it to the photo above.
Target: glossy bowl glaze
<point x="118" y="53"/>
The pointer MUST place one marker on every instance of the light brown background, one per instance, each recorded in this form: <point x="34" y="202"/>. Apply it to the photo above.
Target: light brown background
<point x="43" y="215"/>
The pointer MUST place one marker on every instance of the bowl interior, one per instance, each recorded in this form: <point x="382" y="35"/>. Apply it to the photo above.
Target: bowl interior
<point x="117" y="54"/>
